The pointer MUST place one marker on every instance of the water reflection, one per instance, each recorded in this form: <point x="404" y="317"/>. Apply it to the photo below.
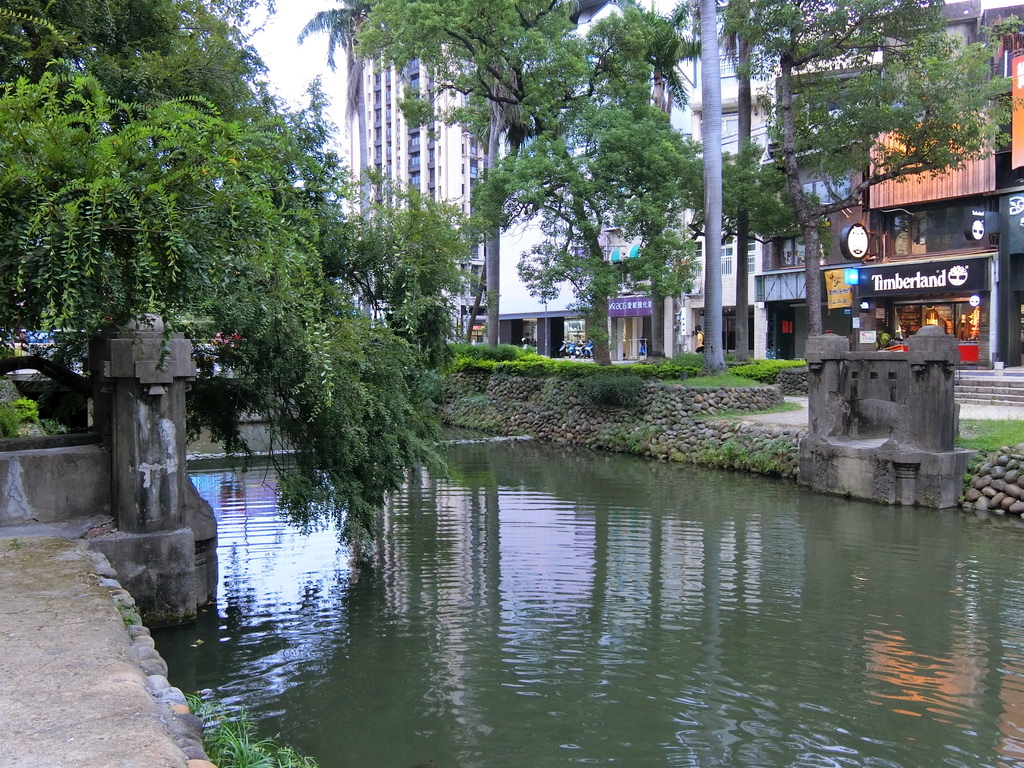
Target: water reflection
<point x="544" y="606"/>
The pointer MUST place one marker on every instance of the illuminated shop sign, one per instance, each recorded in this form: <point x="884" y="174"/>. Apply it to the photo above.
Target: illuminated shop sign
<point x="634" y="306"/>
<point x="960" y="276"/>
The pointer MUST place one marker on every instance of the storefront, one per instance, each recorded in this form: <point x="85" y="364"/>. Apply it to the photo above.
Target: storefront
<point x="896" y="300"/>
<point x="630" y="318"/>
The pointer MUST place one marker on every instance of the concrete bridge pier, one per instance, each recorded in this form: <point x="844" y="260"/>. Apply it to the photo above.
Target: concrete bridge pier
<point x="882" y="424"/>
<point x="164" y="546"/>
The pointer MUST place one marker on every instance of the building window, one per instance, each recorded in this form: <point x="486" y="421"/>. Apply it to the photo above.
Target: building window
<point x="414" y="83"/>
<point x="727" y="258"/>
<point x="431" y="160"/>
<point x="414" y="180"/>
<point x="730" y="126"/>
<point x="792" y="252"/>
<point x="376" y="115"/>
<point x="414" y="142"/>
<point x="751" y="257"/>
<point x="935" y="230"/>
<point x="414" y="161"/>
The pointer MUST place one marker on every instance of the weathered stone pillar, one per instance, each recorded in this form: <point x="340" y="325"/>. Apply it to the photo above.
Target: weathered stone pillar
<point x="149" y="376"/>
<point x="142" y="376"/>
<point x="934" y="412"/>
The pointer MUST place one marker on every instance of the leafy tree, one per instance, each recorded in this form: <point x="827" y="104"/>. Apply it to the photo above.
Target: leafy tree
<point x="114" y="208"/>
<point x="868" y="91"/>
<point x="397" y="261"/>
<point x="499" y="53"/>
<point x="613" y="162"/>
<point x="145" y="52"/>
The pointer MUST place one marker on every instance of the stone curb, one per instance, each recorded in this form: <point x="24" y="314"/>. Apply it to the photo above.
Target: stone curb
<point x="184" y="728"/>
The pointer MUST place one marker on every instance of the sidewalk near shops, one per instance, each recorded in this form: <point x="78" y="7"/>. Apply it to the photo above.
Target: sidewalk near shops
<point x="798" y="416"/>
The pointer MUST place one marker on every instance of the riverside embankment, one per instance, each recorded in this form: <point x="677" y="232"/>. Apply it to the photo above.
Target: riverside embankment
<point x="78" y="686"/>
<point x="718" y="428"/>
<point x="674" y="422"/>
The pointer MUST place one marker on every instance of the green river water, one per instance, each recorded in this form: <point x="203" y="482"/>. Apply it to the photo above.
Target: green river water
<point x="547" y="606"/>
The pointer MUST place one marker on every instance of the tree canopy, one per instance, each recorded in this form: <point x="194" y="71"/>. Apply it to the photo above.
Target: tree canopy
<point x="867" y="91"/>
<point x="124" y="192"/>
<point x="611" y="161"/>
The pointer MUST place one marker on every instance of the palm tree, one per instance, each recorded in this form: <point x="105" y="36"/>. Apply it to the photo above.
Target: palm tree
<point x="341" y="26"/>
<point x="666" y="50"/>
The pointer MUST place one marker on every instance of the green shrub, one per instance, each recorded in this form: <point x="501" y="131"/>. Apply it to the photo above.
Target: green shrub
<point x="472" y="365"/>
<point x="16" y="413"/>
<point x="26" y="409"/>
<point x="501" y="353"/>
<point x="609" y="390"/>
<point x="765" y="371"/>
<point x="10" y="422"/>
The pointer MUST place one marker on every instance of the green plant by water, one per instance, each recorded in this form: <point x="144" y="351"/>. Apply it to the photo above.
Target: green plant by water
<point x="16" y="414"/>
<point x="231" y="741"/>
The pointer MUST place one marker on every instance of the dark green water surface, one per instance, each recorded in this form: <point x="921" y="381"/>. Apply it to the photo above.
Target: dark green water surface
<point x="551" y="607"/>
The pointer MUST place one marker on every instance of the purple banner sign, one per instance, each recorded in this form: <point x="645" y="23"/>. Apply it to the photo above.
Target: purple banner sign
<point x="634" y="306"/>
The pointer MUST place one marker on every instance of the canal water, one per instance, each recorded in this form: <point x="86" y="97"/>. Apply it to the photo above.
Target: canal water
<point x="544" y="606"/>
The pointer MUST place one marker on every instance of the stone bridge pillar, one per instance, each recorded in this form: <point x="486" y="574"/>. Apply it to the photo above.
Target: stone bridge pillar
<point x="164" y="547"/>
<point x="882" y="425"/>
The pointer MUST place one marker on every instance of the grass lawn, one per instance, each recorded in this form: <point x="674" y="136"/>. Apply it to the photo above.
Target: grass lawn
<point x="988" y="436"/>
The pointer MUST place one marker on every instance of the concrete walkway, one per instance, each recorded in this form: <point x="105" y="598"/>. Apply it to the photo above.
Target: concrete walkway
<point x="72" y="691"/>
<point x="798" y="416"/>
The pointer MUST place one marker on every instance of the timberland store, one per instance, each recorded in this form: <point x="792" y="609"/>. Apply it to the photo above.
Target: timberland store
<point x="896" y="300"/>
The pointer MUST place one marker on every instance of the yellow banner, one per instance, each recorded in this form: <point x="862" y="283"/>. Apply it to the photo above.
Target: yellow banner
<point x="839" y="293"/>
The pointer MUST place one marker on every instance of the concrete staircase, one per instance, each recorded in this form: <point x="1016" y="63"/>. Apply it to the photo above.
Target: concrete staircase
<point x="990" y="389"/>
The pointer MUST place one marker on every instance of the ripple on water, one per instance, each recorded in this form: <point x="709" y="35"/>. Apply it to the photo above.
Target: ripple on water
<point x="549" y="606"/>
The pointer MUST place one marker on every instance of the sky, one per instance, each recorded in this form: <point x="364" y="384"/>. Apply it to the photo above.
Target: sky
<point x="292" y="67"/>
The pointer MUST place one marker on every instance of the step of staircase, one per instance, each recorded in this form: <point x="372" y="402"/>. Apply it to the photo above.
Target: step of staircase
<point x="990" y="392"/>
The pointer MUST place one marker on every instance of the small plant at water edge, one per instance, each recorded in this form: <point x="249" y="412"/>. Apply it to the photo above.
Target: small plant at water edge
<point x="230" y="739"/>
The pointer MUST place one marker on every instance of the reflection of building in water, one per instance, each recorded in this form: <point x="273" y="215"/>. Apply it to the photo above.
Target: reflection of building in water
<point x="949" y="687"/>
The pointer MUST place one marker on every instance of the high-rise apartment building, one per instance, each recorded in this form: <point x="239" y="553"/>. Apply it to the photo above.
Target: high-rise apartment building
<point x="442" y="161"/>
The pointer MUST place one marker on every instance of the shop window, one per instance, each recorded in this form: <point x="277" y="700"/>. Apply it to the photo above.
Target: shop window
<point x="932" y="231"/>
<point x="957" y="319"/>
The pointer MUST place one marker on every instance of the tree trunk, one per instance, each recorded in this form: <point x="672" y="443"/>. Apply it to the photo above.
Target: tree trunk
<point x="480" y="287"/>
<point x="744" y="106"/>
<point x="492" y="252"/>
<point x="711" y="132"/>
<point x="656" y="344"/>
<point x="597" y="331"/>
<point x="357" y="82"/>
<point x="805" y="215"/>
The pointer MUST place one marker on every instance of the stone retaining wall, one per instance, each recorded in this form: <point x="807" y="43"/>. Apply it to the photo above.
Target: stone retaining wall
<point x="997" y="484"/>
<point x="673" y="422"/>
<point x="792" y="381"/>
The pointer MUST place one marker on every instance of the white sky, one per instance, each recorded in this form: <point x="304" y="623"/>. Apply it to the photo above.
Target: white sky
<point x="292" y="67"/>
